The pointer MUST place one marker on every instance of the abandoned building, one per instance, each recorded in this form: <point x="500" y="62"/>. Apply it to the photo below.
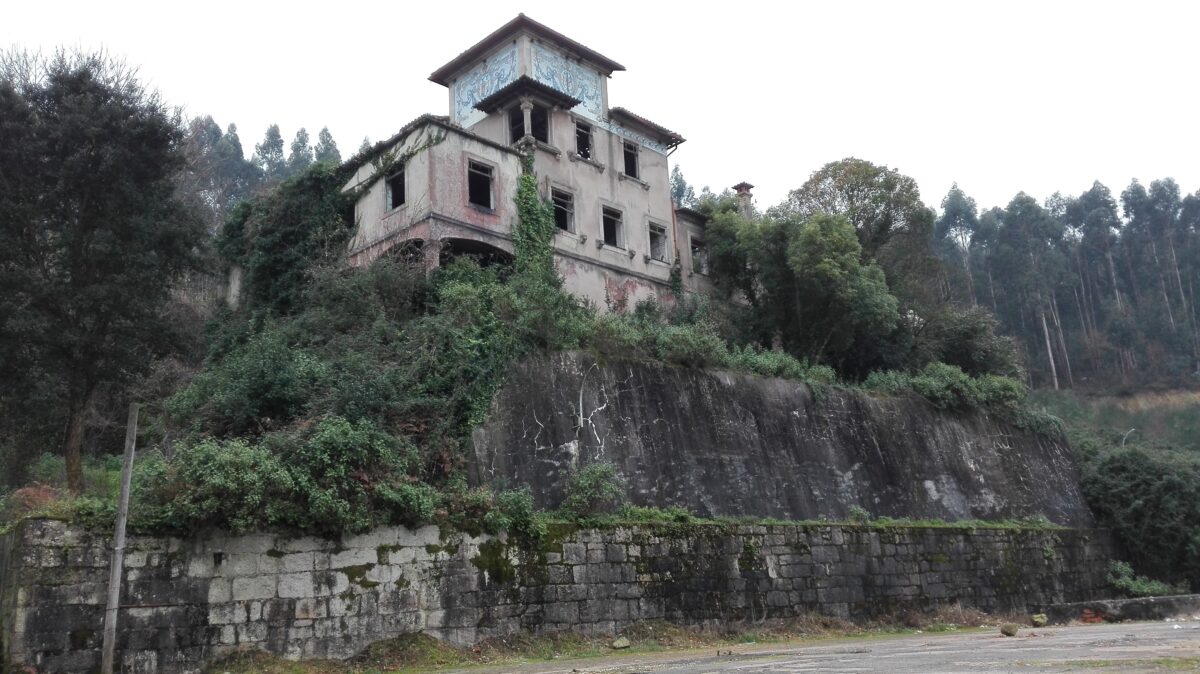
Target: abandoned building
<point x="444" y="185"/>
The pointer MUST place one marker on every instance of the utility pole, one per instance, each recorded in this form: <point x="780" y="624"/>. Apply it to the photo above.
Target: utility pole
<point x="116" y="569"/>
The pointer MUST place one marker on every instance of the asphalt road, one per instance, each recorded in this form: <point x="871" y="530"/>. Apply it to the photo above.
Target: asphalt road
<point x="1125" y="648"/>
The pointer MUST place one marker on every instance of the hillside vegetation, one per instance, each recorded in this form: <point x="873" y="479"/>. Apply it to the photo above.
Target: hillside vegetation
<point x="336" y="398"/>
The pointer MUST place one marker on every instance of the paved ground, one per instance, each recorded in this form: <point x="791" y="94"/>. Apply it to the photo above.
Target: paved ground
<point x="1125" y="648"/>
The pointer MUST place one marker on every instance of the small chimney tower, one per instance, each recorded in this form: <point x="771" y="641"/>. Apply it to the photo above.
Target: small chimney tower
<point x="745" y="203"/>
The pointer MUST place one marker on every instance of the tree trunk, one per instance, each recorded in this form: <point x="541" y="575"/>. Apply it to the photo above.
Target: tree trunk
<point x="1062" y="342"/>
<point x="1162" y="282"/>
<point x="73" y="445"/>
<point x="1112" y="272"/>
<point x="992" y="288"/>
<point x="1049" y="349"/>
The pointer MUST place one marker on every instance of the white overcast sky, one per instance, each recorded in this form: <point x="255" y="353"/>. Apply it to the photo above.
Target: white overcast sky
<point x="998" y="96"/>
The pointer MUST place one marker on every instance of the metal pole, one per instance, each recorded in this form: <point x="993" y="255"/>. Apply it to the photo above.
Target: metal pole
<point x="118" y="557"/>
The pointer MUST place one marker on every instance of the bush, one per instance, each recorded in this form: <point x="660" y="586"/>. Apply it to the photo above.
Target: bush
<point x="593" y="490"/>
<point x="689" y="346"/>
<point x="617" y="336"/>
<point x="334" y="469"/>
<point x="260" y="385"/>
<point x="1150" y="499"/>
<point x="411" y="504"/>
<point x="777" y="364"/>
<point x="948" y="387"/>
<point x="232" y="484"/>
<point x="1121" y="575"/>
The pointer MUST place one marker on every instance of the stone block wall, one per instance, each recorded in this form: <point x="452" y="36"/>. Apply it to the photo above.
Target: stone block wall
<point x="188" y="601"/>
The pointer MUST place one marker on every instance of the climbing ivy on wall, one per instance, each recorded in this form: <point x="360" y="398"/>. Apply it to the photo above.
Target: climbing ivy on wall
<point x="533" y="237"/>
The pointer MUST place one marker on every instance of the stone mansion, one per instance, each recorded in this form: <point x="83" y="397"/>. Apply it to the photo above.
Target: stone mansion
<point x="444" y="185"/>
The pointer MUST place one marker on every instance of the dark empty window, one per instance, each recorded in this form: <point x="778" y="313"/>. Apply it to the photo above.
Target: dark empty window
<point x="540" y="119"/>
<point x="583" y="140"/>
<point x="479" y="184"/>
<point x="612" y="227"/>
<point x="699" y="257"/>
<point x="516" y="123"/>
<point x="658" y="242"/>
<point x="395" y="190"/>
<point x="631" y="160"/>
<point x="564" y="209"/>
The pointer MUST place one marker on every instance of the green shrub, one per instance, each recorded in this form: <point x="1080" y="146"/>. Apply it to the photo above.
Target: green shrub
<point x="1150" y="499"/>
<point x="260" y="385"/>
<point x="1121" y="575"/>
<point x="333" y="469"/>
<point x="411" y="504"/>
<point x="617" y="336"/>
<point x="771" y="363"/>
<point x="670" y="514"/>
<point x="232" y="484"/>
<point x="690" y="346"/>
<point x="593" y="490"/>
<point x="891" y="382"/>
<point x="946" y="386"/>
<point x="523" y="519"/>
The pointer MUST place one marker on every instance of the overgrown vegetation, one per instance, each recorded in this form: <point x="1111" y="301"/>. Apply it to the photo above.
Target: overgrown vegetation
<point x="1145" y="490"/>
<point x="335" y="398"/>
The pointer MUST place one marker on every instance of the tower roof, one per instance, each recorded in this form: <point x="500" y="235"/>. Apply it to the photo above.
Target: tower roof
<point x="506" y="32"/>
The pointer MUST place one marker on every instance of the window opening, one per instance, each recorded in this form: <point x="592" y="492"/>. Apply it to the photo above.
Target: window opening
<point x="540" y="118"/>
<point x="583" y="140"/>
<point x="516" y="123"/>
<point x="699" y="257"/>
<point x="658" y="242"/>
<point x="564" y="209"/>
<point x="631" y="160"/>
<point x="479" y="184"/>
<point x="395" y="190"/>
<point x="612" y="227"/>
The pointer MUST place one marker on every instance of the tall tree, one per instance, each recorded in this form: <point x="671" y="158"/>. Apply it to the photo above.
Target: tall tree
<point x="218" y="173"/>
<point x="326" y="149"/>
<point x="301" y="156"/>
<point x="94" y="233"/>
<point x="681" y="192"/>
<point x="268" y="155"/>
<point x="879" y="202"/>
<point x="955" y="227"/>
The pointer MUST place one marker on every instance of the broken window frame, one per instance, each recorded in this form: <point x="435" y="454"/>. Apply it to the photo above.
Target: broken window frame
<point x="657" y="232"/>
<point x="477" y="171"/>
<point x="394" y="180"/>
<point x="608" y="214"/>
<point x="583" y="132"/>
<point x="699" y="253"/>
<point x="630" y="151"/>
<point x="564" y="204"/>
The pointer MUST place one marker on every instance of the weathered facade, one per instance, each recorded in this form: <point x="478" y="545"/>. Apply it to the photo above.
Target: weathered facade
<point x="445" y="185"/>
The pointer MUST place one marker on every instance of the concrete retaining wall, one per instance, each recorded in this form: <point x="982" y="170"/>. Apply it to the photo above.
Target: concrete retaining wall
<point x="186" y="602"/>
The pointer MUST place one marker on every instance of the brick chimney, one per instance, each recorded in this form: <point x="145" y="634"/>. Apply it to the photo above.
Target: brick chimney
<point x="745" y="204"/>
